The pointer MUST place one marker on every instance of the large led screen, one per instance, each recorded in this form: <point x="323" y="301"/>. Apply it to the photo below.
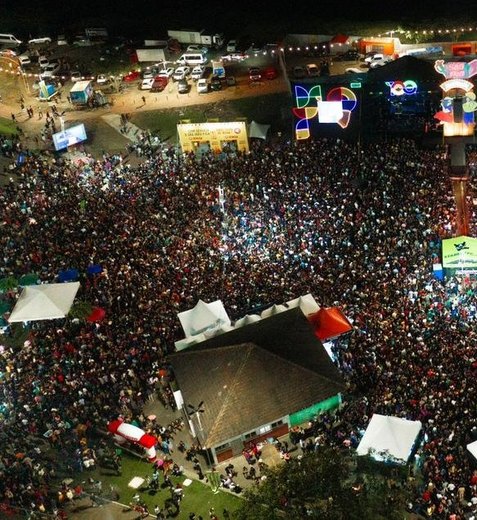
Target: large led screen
<point x="69" y="136"/>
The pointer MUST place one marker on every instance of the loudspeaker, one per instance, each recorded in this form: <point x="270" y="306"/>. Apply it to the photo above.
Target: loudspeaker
<point x="458" y="111"/>
<point x="457" y="157"/>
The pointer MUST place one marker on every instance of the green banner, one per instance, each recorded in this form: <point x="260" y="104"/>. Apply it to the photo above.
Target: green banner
<point x="459" y="252"/>
<point x="309" y="413"/>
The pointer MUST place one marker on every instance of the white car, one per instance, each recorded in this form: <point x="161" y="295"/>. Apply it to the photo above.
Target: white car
<point x="374" y="57"/>
<point x="166" y="72"/>
<point x="147" y="74"/>
<point x="379" y="63"/>
<point x="61" y="40"/>
<point x="102" y="79"/>
<point x="197" y="48"/>
<point x="197" y="72"/>
<point x="147" y="83"/>
<point x="43" y="62"/>
<point x="50" y="70"/>
<point x="75" y="76"/>
<point x="354" y="70"/>
<point x="231" y="46"/>
<point x="37" y="41"/>
<point x="181" y="73"/>
<point x="202" y="86"/>
<point x="24" y="59"/>
<point x="235" y="56"/>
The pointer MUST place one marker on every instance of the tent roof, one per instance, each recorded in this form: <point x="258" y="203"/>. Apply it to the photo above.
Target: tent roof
<point x="329" y="322"/>
<point x="472" y="447"/>
<point x="389" y="434"/>
<point x="204" y="316"/>
<point x="258" y="131"/>
<point x="44" y="302"/>
<point x="307" y="304"/>
<point x="339" y="38"/>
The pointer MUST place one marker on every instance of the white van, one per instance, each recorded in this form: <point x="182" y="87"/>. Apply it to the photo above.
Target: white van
<point x="9" y="39"/>
<point x="192" y="59"/>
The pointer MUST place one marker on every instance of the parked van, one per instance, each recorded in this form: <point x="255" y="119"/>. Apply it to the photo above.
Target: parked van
<point x="192" y="59"/>
<point x="9" y="39"/>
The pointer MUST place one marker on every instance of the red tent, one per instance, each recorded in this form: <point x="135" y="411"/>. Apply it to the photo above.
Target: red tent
<point x="329" y="323"/>
<point x="97" y="314"/>
<point x="339" y="38"/>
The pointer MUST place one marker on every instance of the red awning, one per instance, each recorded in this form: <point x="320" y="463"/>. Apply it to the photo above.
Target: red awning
<point x="339" y="38"/>
<point x="329" y="322"/>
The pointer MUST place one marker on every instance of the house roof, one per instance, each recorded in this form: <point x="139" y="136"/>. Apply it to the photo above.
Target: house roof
<point x="255" y="374"/>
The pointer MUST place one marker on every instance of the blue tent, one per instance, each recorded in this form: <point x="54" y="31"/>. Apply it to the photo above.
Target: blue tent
<point x="94" y="269"/>
<point x="68" y="275"/>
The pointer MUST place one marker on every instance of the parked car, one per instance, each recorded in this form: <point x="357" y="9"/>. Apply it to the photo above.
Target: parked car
<point x="349" y="55"/>
<point x="159" y="83"/>
<point x="76" y="76"/>
<point x="202" y="86"/>
<point x="82" y="42"/>
<point x="197" y="48"/>
<point x="312" y="70"/>
<point x="181" y="73"/>
<point x="254" y="74"/>
<point x="374" y="56"/>
<point x="102" y="79"/>
<point x="197" y="72"/>
<point x="215" y="83"/>
<point x="299" y="72"/>
<point x="8" y="53"/>
<point x="166" y="72"/>
<point x="147" y="74"/>
<point x="43" y="62"/>
<point x="183" y="86"/>
<point x="270" y="73"/>
<point x="38" y="41"/>
<point x="379" y="63"/>
<point x="61" y="40"/>
<point x="355" y="70"/>
<point x="231" y="46"/>
<point x="235" y="56"/>
<point x="24" y="59"/>
<point x="132" y="76"/>
<point x="51" y="70"/>
<point x="147" y="83"/>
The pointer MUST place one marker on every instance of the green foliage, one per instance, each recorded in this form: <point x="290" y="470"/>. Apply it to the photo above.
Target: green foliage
<point x="8" y="283"/>
<point x="323" y="485"/>
<point x="80" y="310"/>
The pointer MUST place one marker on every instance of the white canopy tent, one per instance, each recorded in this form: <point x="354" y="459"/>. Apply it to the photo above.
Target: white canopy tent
<point x="271" y="311"/>
<point x="472" y="447"/>
<point x="258" y="131"/>
<point x="203" y="317"/>
<point x="44" y="302"/>
<point x="387" y="435"/>
<point x="247" y="320"/>
<point x="307" y="304"/>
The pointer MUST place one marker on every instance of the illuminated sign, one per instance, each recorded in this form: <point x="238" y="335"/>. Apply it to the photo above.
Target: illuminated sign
<point x="456" y="69"/>
<point x="336" y="108"/>
<point x="402" y="88"/>
<point x="355" y="85"/>
<point x="192" y="135"/>
<point x="462" y="84"/>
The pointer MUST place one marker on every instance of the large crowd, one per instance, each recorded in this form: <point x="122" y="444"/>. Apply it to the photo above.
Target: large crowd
<point x="357" y="227"/>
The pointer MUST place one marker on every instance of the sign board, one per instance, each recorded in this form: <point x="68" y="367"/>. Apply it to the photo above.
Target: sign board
<point x="192" y="136"/>
<point x="309" y="413"/>
<point x="459" y="252"/>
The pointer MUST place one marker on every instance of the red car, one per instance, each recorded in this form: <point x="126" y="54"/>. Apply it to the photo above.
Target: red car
<point x="132" y="76"/>
<point x="270" y="73"/>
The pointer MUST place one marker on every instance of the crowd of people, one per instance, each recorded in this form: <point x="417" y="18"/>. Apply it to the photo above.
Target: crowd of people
<point x="356" y="227"/>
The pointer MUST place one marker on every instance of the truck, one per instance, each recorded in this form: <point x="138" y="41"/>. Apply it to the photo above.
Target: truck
<point x="197" y="37"/>
<point x="218" y="69"/>
<point x="151" y="54"/>
<point x="81" y="93"/>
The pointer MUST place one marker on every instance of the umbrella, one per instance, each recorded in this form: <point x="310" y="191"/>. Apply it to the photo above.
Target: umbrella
<point x="68" y="275"/>
<point x="29" y="279"/>
<point x="94" y="269"/>
<point x="97" y="314"/>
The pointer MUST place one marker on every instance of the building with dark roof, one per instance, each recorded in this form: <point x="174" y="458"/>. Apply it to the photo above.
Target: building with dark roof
<point x="255" y="382"/>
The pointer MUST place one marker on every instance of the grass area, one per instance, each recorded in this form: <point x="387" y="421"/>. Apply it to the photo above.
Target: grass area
<point x="262" y="109"/>
<point x="7" y="127"/>
<point x="198" y="497"/>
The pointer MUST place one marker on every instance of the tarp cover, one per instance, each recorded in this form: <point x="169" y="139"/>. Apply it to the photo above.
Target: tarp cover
<point x="44" y="302"/>
<point x="329" y="322"/>
<point x="472" y="447"/>
<point x="258" y="131"/>
<point x="204" y="316"/>
<point x="391" y="435"/>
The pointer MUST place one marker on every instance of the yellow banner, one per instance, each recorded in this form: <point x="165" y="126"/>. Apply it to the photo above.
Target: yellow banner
<point x="217" y="137"/>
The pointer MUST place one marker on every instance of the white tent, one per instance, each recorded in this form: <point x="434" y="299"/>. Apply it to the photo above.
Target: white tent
<point x="44" y="302"/>
<point x="187" y="342"/>
<point x="307" y="304"/>
<point x="204" y="316"/>
<point x="258" y="131"/>
<point x="387" y="435"/>
<point x="472" y="447"/>
<point x="247" y="320"/>
<point x="271" y="311"/>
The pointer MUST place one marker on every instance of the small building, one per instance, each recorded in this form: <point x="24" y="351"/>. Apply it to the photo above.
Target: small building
<point x="255" y="382"/>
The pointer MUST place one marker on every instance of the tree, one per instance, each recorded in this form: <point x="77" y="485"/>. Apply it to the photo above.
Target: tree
<point x="80" y="310"/>
<point x="323" y="485"/>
